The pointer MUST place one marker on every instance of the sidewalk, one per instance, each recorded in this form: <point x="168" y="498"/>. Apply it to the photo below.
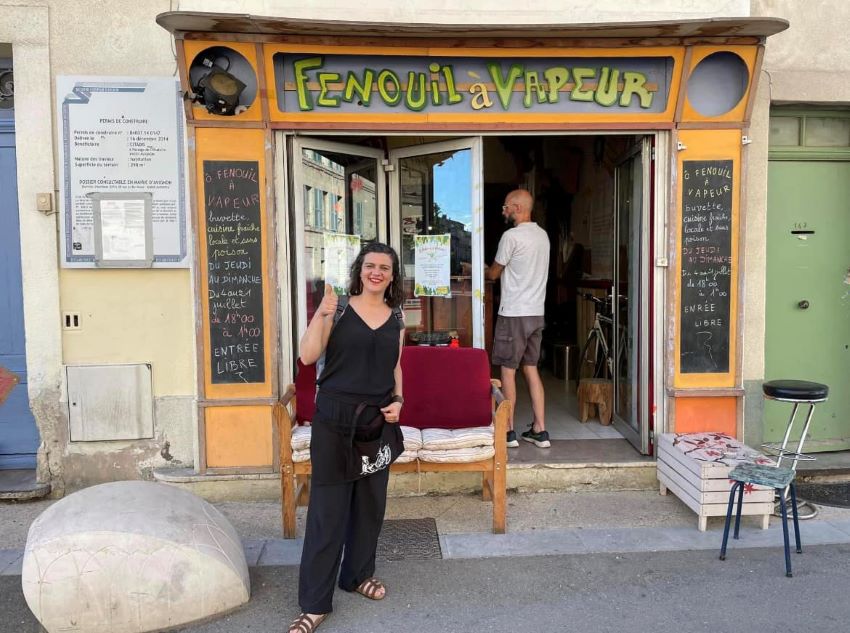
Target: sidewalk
<point x="538" y="523"/>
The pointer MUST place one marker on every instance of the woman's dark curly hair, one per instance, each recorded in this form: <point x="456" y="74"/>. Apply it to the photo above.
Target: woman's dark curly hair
<point x="394" y="294"/>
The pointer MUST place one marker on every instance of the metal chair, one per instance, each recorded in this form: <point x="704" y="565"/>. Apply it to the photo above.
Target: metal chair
<point x="778" y="477"/>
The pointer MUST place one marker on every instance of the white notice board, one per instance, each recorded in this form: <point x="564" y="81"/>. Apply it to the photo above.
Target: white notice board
<point x="122" y="135"/>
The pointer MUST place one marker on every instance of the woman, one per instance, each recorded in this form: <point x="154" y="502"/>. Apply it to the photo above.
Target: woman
<point x="361" y="379"/>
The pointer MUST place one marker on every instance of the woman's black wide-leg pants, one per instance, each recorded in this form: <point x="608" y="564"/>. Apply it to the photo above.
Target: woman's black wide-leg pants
<point x="343" y="524"/>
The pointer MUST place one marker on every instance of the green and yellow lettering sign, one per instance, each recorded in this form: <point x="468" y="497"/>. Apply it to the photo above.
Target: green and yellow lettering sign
<point x="394" y="84"/>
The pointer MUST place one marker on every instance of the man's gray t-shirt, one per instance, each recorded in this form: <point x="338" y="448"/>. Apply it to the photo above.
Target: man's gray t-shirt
<point x="524" y="252"/>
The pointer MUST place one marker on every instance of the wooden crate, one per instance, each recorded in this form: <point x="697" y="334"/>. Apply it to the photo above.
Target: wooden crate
<point x="704" y="486"/>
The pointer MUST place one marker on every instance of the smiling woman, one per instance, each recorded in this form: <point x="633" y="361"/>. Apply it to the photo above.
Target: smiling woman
<point x="355" y="435"/>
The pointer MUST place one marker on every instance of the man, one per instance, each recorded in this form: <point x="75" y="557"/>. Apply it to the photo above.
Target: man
<point x="522" y="263"/>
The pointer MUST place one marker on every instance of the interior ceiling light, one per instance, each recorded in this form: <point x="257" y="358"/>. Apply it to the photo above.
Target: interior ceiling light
<point x="217" y="90"/>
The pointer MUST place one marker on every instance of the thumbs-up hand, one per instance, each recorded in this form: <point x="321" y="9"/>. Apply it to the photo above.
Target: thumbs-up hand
<point x="329" y="302"/>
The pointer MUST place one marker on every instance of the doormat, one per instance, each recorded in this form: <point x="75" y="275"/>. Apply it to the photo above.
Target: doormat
<point x="409" y="539"/>
<point x="837" y="494"/>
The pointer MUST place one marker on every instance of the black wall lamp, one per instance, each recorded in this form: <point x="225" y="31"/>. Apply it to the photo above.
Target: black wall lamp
<point x="217" y="90"/>
<point x="7" y="89"/>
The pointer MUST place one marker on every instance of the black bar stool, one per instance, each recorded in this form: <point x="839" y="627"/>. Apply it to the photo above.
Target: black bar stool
<point x="778" y="477"/>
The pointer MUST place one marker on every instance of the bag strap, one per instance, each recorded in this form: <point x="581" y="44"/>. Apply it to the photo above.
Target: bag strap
<point x="342" y="304"/>
<point x="397" y="313"/>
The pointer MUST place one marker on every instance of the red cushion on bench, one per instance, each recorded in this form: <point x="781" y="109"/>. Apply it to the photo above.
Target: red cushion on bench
<point x="305" y="392"/>
<point x="445" y="388"/>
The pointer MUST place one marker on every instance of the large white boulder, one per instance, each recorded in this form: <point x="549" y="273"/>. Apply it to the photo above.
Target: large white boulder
<point x="131" y="556"/>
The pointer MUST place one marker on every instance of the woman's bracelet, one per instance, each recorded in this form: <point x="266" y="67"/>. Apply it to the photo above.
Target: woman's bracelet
<point x="398" y="398"/>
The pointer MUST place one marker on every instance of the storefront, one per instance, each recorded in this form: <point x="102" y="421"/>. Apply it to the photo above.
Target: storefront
<point x="632" y="138"/>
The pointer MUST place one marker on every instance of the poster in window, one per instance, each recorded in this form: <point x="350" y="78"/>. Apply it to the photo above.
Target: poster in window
<point x="340" y="252"/>
<point x="432" y="272"/>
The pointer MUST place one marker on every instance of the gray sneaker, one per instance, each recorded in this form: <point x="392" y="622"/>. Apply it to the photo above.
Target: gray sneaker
<point x="512" y="443"/>
<point x="541" y="439"/>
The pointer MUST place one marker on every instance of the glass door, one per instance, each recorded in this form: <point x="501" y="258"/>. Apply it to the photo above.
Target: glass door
<point x="630" y="296"/>
<point x="435" y="189"/>
<point x="337" y="189"/>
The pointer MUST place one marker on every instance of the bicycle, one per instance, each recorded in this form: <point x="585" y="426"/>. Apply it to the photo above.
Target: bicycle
<point x="592" y="363"/>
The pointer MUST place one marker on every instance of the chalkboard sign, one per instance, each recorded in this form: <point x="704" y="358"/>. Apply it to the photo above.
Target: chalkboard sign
<point x="234" y="271"/>
<point x="706" y="266"/>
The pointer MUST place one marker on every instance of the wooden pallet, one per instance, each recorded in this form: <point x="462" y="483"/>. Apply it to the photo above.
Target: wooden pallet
<point x="704" y="486"/>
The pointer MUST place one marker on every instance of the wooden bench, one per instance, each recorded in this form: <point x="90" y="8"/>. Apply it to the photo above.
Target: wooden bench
<point x="444" y="388"/>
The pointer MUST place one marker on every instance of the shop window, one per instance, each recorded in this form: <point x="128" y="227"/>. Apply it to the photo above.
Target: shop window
<point x="337" y="207"/>
<point x="809" y="131"/>
<point x="784" y="131"/>
<point x="717" y="84"/>
<point x="827" y="132"/>
<point x="319" y="208"/>
<point x="358" y="218"/>
<point x="308" y="206"/>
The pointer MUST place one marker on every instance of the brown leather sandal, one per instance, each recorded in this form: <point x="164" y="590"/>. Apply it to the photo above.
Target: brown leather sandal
<point x="370" y="588"/>
<point x="305" y="624"/>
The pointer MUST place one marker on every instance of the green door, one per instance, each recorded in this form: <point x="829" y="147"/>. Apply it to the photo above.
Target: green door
<point x="808" y="293"/>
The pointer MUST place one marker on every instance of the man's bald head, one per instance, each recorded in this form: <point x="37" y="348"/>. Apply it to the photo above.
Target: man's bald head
<point x="517" y="207"/>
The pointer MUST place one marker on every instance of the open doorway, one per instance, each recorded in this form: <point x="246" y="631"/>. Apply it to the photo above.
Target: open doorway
<point x="591" y="196"/>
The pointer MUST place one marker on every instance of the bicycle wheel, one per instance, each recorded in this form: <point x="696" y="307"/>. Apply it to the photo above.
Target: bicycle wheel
<point x="591" y="360"/>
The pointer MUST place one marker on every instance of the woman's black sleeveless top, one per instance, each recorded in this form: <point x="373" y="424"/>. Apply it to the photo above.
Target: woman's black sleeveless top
<point x="359" y="368"/>
<point x="360" y="361"/>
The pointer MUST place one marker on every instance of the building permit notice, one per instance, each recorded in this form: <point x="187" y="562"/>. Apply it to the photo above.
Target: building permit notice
<point x="122" y="135"/>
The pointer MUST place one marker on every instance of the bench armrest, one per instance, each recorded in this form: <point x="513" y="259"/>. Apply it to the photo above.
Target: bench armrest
<point x="285" y="423"/>
<point x="287" y="396"/>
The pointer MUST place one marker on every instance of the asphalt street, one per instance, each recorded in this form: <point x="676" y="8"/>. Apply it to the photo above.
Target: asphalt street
<point x="662" y="592"/>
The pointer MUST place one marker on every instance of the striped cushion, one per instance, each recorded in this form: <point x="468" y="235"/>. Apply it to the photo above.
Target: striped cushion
<point x="412" y="438"/>
<point x="406" y="457"/>
<point x="301" y="456"/>
<point x="458" y="455"/>
<point x="301" y="438"/>
<point x="448" y="439"/>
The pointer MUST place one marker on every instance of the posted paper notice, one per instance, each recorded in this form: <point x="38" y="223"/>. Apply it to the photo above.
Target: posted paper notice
<point x="433" y="266"/>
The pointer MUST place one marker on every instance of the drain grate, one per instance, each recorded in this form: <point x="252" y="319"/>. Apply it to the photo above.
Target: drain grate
<point x="409" y="539"/>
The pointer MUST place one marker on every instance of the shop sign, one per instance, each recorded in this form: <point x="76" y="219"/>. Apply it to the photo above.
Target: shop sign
<point x="315" y="83"/>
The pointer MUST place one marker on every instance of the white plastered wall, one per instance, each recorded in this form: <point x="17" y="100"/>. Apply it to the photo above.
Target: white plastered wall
<point x="128" y="316"/>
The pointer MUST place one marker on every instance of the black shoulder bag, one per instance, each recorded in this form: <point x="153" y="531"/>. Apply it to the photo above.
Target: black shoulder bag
<point x="375" y="446"/>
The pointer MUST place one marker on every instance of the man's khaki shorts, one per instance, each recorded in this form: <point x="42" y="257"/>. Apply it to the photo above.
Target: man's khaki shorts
<point x="516" y="341"/>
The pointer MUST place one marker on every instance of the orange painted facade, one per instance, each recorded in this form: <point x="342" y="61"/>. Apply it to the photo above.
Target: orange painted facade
<point x="241" y="436"/>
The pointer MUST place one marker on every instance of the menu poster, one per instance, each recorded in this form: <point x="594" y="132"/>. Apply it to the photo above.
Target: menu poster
<point x="706" y="266"/>
<point x="340" y="252"/>
<point x="432" y="272"/>
<point x="234" y="268"/>
<point x="122" y="135"/>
